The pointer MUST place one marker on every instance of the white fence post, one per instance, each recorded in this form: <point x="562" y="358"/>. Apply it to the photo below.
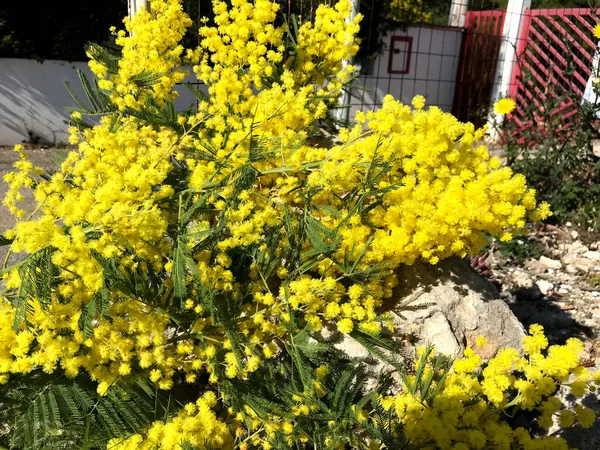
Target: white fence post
<point x="507" y="56"/>
<point x="343" y="114"/>
<point x="589" y="94"/>
<point x="458" y="13"/>
<point x="134" y="6"/>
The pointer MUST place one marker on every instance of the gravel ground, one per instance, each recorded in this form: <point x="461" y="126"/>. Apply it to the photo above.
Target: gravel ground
<point x="560" y="290"/>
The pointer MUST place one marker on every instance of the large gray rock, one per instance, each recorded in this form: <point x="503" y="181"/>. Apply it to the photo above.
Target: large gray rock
<point x="437" y="331"/>
<point x="449" y="305"/>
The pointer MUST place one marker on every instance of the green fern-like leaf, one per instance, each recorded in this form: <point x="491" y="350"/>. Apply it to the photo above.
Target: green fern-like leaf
<point x="107" y="58"/>
<point x="95" y="308"/>
<point x="99" y="101"/>
<point x="53" y="412"/>
<point x="5" y="241"/>
<point x="38" y="279"/>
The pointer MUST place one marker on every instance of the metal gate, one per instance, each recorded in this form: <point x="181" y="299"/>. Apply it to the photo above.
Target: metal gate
<point x="479" y="57"/>
<point x="554" y="58"/>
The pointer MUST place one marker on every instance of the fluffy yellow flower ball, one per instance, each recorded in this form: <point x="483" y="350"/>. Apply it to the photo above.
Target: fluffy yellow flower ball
<point x="504" y="106"/>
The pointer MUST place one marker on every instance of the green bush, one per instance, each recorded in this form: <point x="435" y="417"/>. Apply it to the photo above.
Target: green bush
<point x="556" y="154"/>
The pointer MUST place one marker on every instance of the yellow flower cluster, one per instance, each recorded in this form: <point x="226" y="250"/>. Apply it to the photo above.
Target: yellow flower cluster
<point x="151" y="48"/>
<point x="255" y="85"/>
<point x="110" y="186"/>
<point x="243" y="429"/>
<point x="167" y="229"/>
<point x="412" y="186"/>
<point x="196" y="425"/>
<point x="104" y="199"/>
<point x="504" y="106"/>
<point x="23" y="179"/>
<point x="324" y="45"/>
<point x="465" y="413"/>
<point x="475" y="402"/>
<point x="441" y="193"/>
<point x="240" y="53"/>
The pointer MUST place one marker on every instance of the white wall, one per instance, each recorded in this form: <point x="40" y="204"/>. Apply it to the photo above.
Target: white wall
<point x="33" y="99"/>
<point x="432" y="71"/>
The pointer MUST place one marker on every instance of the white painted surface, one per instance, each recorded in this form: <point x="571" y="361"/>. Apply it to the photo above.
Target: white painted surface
<point x="589" y="95"/>
<point x="33" y="99"/>
<point x="458" y="13"/>
<point x="507" y="56"/>
<point x="432" y="71"/>
<point x="134" y="6"/>
<point x="343" y="113"/>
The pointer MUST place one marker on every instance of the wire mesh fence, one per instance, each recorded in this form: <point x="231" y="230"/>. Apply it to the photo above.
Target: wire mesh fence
<point x="416" y="59"/>
<point x="536" y="55"/>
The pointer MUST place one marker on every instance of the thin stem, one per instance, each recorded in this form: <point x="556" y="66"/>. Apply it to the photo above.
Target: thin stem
<point x="252" y="435"/>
